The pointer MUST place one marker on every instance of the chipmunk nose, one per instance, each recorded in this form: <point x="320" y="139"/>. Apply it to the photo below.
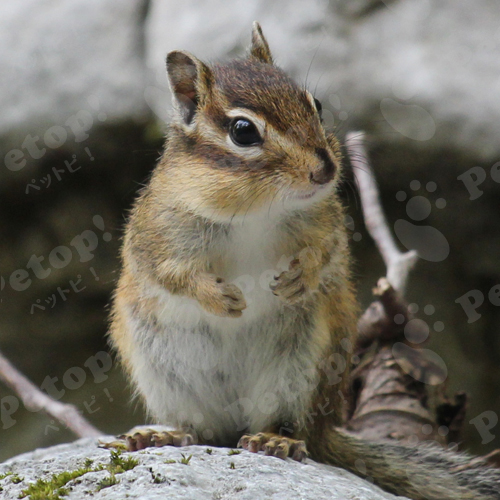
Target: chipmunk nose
<point x="324" y="172"/>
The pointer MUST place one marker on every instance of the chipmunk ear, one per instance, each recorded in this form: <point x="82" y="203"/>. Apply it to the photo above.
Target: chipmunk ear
<point x="260" y="48"/>
<point x="191" y="82"/>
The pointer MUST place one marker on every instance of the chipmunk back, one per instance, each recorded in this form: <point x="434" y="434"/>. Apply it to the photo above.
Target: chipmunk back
<point x="235" y="292"/>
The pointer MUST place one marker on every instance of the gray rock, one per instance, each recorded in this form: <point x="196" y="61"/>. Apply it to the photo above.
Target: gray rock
<point x="414" y="70"/>
<point x="421" y="77"/>
<point x="207" y="476"/>
<point x="61" y="57"/>
<point x="422" y="71"/>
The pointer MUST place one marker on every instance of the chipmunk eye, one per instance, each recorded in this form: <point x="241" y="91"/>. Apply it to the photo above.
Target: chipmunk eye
<point x="319" y="108"/>
<point x="244" y="133"/>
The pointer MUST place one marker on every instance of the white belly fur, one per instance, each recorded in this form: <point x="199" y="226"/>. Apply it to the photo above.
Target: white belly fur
<point x="225" y="375"/>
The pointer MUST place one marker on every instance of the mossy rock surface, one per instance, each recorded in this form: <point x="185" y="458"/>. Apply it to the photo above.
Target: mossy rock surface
<point x="79" y="470"/>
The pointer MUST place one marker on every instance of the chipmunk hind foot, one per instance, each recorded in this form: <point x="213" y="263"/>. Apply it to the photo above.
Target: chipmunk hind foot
<point x="142" y="437"/>
<point x="274" y="445"/>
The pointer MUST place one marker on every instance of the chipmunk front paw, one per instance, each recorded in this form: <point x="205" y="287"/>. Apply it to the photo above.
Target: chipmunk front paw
<point x="222" y="299"/>
<point x="290" y="285"/>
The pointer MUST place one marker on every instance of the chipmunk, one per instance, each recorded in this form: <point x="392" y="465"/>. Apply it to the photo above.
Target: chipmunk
<point x="216" y="347"/>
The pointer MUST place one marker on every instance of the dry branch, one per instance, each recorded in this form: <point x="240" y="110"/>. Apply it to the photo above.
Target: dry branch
<point x="398" y="264"/>
<point x="34" y="400"/>
<point x="390" y="393"/>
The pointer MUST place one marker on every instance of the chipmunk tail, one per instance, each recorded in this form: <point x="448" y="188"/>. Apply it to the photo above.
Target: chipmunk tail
<point x="420" y="472"/>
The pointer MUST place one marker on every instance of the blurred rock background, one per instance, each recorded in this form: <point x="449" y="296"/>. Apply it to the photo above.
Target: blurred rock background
<point x="85" y="81"/>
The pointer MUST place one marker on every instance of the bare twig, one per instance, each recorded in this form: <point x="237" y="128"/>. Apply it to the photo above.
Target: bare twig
<point x="377" y="322"/>
<point x="34" y="399"/>
<point x="398" y="264"/>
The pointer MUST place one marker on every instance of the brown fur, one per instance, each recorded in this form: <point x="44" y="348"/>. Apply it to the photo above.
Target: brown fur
<point x="182" y="223"/>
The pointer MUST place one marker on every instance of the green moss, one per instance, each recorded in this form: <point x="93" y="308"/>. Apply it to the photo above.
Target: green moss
<point x="185" y="460"/>
<point x="53" y="489"/>
<point x="15" y="478"/>
<point x="158" y="478"/>
<point x="234" y="452"/>
<point x="118" y="464"/>
<point x="107" y="482"/>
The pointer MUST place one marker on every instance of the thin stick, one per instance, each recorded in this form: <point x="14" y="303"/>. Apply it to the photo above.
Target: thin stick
<point x="34" y="399"/>
<point x="398" y="264"/>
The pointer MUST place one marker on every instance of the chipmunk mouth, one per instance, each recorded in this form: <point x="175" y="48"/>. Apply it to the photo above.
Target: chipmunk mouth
<point x="307" y="195"/>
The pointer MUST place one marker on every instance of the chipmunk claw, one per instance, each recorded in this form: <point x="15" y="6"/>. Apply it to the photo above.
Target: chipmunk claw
<point x="289" y="285"/>
<point x="232" y="300"/>
<point x="172" y="438"/>
<point x="274" y="445"/>
<point x="140" y="438"/>
<point x="221" y="298"/>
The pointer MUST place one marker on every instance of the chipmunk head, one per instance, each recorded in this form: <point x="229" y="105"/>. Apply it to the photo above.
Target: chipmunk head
<point x="246" y="136"/>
